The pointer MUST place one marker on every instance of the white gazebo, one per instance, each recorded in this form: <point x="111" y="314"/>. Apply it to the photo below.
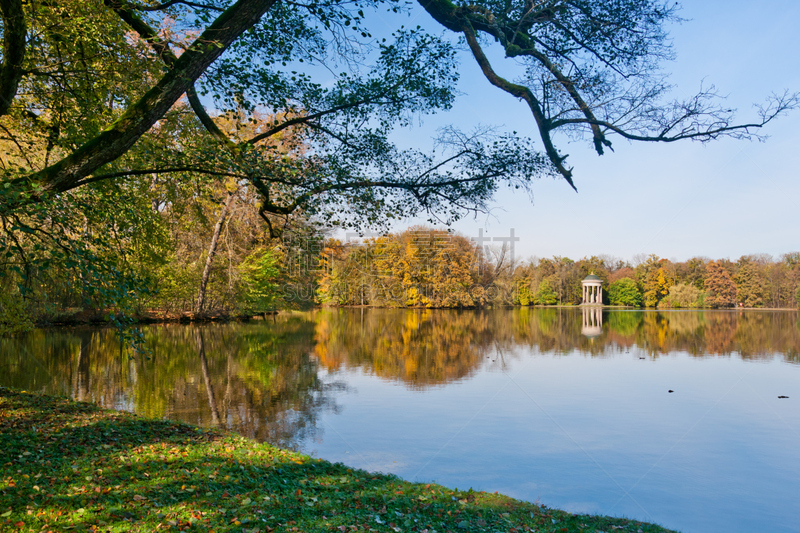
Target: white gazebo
<point x="592" y="290"/>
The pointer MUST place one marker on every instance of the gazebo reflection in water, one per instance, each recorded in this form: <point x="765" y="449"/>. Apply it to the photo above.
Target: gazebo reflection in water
<point x="592" y="322"/>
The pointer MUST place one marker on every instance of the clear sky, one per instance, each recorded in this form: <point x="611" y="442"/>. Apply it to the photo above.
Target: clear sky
<point x="723" y="199"/>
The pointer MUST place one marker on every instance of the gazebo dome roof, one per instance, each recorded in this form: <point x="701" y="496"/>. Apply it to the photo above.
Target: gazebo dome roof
<point x="592" y="277"/>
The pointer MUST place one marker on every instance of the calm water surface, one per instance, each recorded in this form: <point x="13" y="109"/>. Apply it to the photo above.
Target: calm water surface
<point x="570" y="408"/>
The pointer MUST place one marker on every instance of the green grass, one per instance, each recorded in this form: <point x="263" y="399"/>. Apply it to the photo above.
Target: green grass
<point x="69" y="466"/>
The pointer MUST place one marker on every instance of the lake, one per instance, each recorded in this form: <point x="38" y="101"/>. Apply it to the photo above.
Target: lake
<point x="670" y="417"/>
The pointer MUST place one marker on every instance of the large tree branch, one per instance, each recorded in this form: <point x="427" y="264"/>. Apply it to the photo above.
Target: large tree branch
<point x="524" y="93"/>
<point x="416" y="188"/>
<point x="526" y="47"/>
<point x="14" y="33"/>
<point x="451" y="17"/>
<point x="163" y="51"/>
<point x="165" y="5"/>
<point x="688" y="123"/>
<point x="165" y="170"/>
<point x="569" y="86"/>
<point x="140" y="117"/>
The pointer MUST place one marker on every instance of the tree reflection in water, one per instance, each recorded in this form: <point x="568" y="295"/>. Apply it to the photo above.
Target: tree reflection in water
<point x="258" y="380"/>
<point x="266" y="379"/>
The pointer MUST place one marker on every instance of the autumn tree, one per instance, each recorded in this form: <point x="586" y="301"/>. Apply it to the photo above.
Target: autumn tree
<point x="752" y="287"/>
<point x="656" y="284"/>
<point x="720" y="288"/>
<point x="420" y="267"/>
<point x="624" y="272"/>
<point x="693" y="271"/>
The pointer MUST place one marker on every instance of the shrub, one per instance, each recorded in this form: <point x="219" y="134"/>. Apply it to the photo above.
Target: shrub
<point x="14" y="315"/>
<point x="682" y="296"/>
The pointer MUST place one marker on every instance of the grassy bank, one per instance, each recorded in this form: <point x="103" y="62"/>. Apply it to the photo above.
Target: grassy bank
<point x="67" y="466"/>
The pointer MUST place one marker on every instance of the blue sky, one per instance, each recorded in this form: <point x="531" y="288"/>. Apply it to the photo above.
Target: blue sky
<point x="723" y="199"/>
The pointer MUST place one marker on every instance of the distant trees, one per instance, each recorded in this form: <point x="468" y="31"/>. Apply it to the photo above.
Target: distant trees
<point x="720" y="288"/>
<point x="753" y="281"/>
<point x="424" y="267"/>
<point x="546" y="295"/>
<point x="751" y="284"/>
<point x="624" y="292"/>
<point x="683" y="296"/>
<point x="420" y="267"/>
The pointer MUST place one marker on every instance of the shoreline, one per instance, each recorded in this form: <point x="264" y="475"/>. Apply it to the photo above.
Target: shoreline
<point x="96" y="318"/>
<point x="67" y="464"/>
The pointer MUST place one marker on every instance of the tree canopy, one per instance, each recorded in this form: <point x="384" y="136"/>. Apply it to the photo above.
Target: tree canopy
<point x="87" y="87"/>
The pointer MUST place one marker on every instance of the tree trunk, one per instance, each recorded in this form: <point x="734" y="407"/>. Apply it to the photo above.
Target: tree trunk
<point x="212" y="249"/>
<point x="14" y="33"/>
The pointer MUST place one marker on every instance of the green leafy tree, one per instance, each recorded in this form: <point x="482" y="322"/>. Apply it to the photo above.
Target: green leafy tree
<point x="259" y="277"/>
<point x="14" y="315"/>
<point x="546" y="293"/>
<point x="524" y="292"/>
<point x="682" y="296"/>
<point x="624" y="292"/>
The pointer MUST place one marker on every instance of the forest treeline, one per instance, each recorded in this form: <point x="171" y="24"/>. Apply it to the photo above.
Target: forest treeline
<point x="424" y="267"/>
<point x="212" y="254"/>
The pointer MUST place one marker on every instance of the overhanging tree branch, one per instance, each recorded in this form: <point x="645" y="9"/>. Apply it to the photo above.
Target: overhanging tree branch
<point x="524" y="93"/>
<point x="125" y="131"/>
<point x="593" y="67"/>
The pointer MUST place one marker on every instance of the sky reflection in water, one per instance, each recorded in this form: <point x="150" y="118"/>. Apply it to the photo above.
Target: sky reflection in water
<point x="537" y="404"/>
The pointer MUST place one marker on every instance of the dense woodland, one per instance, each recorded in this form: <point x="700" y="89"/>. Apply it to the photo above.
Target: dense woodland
<point x="208" y="259"/>
<point x="188" y="157"/>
